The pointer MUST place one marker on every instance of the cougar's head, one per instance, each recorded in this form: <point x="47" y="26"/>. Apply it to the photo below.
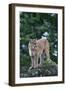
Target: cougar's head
<point x="32" y="47"/>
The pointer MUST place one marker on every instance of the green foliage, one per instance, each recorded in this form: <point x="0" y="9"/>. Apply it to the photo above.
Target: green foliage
<point x="34" y="25"/>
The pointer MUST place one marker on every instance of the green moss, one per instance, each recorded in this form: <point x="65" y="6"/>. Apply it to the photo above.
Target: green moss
<point x="49" y="61"/>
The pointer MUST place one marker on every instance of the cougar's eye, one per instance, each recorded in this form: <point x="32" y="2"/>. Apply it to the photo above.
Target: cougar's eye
<point x="35" y="46"/>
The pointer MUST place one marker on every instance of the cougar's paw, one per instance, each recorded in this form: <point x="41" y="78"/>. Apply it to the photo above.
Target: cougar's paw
<point x="30" y="68"/>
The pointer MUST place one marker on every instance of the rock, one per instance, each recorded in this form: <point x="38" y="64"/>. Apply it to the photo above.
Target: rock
<point x="48" y="68"/>
<point x="34" y="72"/>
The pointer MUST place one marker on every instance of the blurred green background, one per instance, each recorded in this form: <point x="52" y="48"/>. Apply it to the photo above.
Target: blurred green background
<point x="37" y="25"/>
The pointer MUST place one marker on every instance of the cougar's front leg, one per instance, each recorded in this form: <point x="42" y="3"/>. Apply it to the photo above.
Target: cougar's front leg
<point x="35" y="62"/>
<point x="32" y="63"/>
<point x="41" y="60"/>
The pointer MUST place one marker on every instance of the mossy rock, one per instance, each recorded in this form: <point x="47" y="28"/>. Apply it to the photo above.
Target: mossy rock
<point x="48" y="68"/>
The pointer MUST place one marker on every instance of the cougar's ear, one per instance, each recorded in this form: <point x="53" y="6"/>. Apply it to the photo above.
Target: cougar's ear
<point x="35" y="39"/>
<point x="30" y="40"/>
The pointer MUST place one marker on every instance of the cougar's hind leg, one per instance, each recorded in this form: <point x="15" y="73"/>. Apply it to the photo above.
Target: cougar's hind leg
<point x="47" y="51"/>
